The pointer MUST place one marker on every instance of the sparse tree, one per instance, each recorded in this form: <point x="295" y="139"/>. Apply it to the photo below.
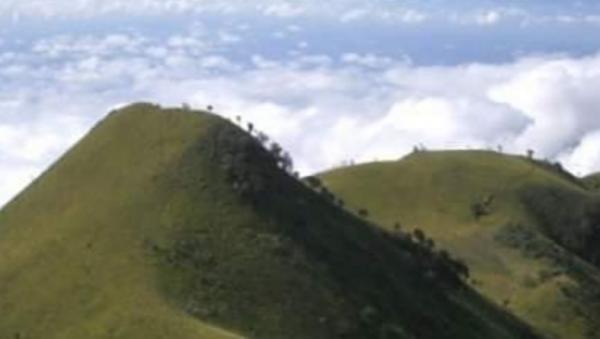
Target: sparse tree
<point x="419" y="236"/>
<point x="313" y="182"/>
<point x="276" y="150"/>
<point x="262" y="137"/>
<point x="287" y="163"/>
<point x="429" y="244"/>
<point x="327" y="194"/>
<point x="479" y="210"/>
<point x="461" y="269"/>
<point x="530" y="153"/>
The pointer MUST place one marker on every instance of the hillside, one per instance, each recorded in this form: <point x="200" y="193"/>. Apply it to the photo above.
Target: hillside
<point x="527" y="229"/>
<point x="177" y="224"/>
<point x="592" y="181"/>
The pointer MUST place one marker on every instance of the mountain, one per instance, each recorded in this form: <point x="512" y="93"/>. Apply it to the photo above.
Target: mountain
<point x="528" y="229"/>
<point x="172" y="223"/>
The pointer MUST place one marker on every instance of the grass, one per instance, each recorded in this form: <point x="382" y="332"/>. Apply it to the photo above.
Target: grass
<point x="145" y="230"/>
<point x="592" y="181"/>
<point x="436" y="192"/>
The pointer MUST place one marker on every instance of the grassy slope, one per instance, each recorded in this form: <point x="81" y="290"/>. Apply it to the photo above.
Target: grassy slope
<point x="434" y="191"/>
<point x="136" y="233"/>
<point x="592" y="181"/>
<point x="71" y="259"/>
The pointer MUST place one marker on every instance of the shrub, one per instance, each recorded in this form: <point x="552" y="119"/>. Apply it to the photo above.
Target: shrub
<point x="313" y="182"/>
<point x="479" y="210"/>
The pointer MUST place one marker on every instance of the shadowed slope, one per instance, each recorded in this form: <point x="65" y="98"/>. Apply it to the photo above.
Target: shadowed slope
<point x="176" y="224"/>
<point x="493" y="211"/>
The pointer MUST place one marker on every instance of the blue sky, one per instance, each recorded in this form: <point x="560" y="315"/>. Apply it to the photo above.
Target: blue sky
<point x="333" y="81"/>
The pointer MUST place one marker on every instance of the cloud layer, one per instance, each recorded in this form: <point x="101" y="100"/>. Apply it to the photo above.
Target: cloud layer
<point x="325" y="109"/>
<point x="398" y="75"/>
<point x="479" y="12"/>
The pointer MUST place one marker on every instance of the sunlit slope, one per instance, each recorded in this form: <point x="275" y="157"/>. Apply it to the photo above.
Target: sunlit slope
<point x="508" y="247"/>
<point x="72" y="258"/>
<point x="176" y="224"/>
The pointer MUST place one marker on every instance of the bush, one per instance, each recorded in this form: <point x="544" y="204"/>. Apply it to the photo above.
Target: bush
<point x="479" y="210"/>
<point x="313" y="182"/>
<point x="569" y="217"/>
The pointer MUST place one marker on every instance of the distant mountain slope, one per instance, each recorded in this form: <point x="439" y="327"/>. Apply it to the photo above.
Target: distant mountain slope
<point x="177" y="224"/>
<point x="525" y="228"/>
<point x="592" y="181"/>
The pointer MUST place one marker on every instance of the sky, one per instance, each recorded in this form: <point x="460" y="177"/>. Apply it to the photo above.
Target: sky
<point x="332" y="81"/>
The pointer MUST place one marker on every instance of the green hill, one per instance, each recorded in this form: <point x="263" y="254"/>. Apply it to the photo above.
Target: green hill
<point x="177" y="224"/>
<point x="592" y="181"/>
<point x="527" y="229"/>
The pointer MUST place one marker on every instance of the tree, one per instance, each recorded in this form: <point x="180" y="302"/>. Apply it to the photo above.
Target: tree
<point x="276" y="150"/>
<point x="313" y="182"/>
<point x="419" y="236"/>
<point x="479" y="210"/>
<point x="461" y="269"/>
<point x="250" y="127"/>
<point x="287" y="163"/>
<point x="530" y="153"/>
<point x="327" y="194"/>
<point x="363" y="212"/>
<point x="262" y="137"/>
<point x="210" y="108"/>
<point x="429" y="244"/>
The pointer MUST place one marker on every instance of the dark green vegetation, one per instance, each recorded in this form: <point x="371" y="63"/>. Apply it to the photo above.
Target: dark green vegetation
<point x="177" y="224"/>
<point x="592" y="181"/>
<point x="528" y="230"/>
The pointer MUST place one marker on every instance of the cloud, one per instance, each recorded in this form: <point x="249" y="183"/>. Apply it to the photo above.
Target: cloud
<point x="325" y="108"/>
<point x="284" y="10"/>
<point x="472" y="12"/>
<point x="488" y="18"/>
<point x="353" y="14"/>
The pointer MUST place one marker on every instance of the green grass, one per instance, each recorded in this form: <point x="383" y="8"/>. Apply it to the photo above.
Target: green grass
<point x="435" y="191"/>
<point x="592" y="181"/>
<point x="140" y="232"/>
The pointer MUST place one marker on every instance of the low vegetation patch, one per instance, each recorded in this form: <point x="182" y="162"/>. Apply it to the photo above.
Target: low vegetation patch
<point x="586" y="291"/>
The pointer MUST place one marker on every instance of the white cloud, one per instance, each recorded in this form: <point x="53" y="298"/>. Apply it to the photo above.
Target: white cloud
<point x="476" y="13"/>
<point x="585" y="156"/>
<point x="283" y="9"/>
<point x="353" y="14"/>
<point x="324" y="108"/>
<point x="368" y="60"/>
<point x="412" y="16"/>
<point x="488" y="18"/>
